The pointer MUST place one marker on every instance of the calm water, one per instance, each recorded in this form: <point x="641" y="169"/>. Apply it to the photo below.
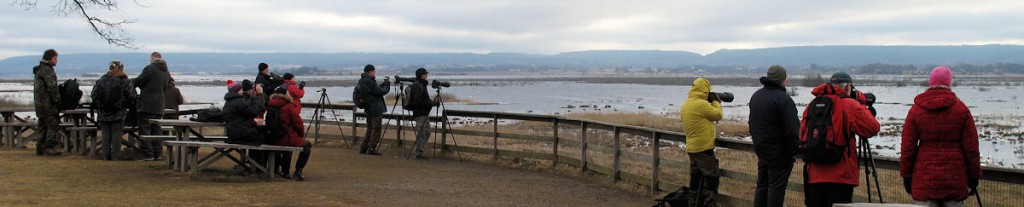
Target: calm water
<point x="992" y="106"/>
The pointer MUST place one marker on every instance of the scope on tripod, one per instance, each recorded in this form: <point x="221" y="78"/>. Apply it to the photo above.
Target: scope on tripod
<point x="400" y="79"/>
<point x="439" y="84"/>
<point x="321" y="90"/>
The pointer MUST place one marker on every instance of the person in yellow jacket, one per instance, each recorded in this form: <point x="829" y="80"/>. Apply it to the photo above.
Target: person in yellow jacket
<point x="699" y="114"/>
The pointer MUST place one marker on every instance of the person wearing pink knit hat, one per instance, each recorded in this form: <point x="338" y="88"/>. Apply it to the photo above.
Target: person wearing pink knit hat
<point x="939" y="158"/>
<point x="942" y="77"/>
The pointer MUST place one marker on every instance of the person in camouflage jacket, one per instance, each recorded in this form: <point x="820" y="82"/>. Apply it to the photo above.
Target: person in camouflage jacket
<point x="47" y="98"/>
<point x="112" y="121"/>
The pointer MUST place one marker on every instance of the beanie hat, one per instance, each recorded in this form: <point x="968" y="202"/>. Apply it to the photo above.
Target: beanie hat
<point x="421" y="72"/>
<point x="288" y="76"/>
<point x="281" y="89"/>
<point x="234" y="87"/>
<point x="263" y="66"/>
<point x="246" y="85"/>
<point x="840" y="77"/>
<point x="777" y="73"/>
<point x="941" y="76"/>
<point x="368" y="68"/>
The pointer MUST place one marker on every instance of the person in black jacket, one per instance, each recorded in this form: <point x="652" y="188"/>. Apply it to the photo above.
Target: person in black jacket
<point x="47" y="97"/>
<point x="267" y="79"/>
<point x="775" y="128"/>
<point x="240" y="110"/>
<point x="152" y="82"/>
<point x="374" y="95"/>
<point x="420" y="104"/>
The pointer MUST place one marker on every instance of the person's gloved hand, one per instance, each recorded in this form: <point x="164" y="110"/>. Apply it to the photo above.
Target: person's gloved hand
<point x="973" y="184"/>
<point x="906" y="184"/>
<point x="302" y="85"/>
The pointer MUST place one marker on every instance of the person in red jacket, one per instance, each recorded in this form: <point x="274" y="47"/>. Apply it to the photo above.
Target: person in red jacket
<point x="827" y="184"/>
<point x="297" y="91"/>
<point x="289" y="114"/>
<point x="939" y="159"/>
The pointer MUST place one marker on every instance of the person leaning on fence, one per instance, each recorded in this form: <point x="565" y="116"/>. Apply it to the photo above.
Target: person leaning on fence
<point x="288" y="110"/>
<point x="111" y="115"/>
<point x="699" y="115"/>
<point x="828" y="184"/>
<point x="46" y="100"/>
<point x="152" y="82"/>
<point x="420" y="106"/>
<point x="240" y="109"/>
<point x="173" y="100"/>
<point x="939" y="158"/>
<point x="374" y="95"/>
<point x="775" y="129"/>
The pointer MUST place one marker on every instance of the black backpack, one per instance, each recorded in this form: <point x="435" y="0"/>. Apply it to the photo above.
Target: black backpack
<point x="70" y="94"/>
<point x="274" y="127"/>
<point x="210" y="115"/>
<point x="358" y="98"/>
<point x="110" y="96"/>
<point x="817" y="146"/>
<point x="674" y="199"/>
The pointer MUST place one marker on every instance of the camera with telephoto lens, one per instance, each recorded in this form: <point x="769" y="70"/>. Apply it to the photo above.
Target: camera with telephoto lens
<point x="400" y="79"/>
<point x="439" y="84"/>
<point x="720" y="96"/>
<point x="869" y="99"/>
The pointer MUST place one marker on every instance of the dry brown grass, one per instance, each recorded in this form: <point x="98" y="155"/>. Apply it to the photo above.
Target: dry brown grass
<point x="336" y="176"/>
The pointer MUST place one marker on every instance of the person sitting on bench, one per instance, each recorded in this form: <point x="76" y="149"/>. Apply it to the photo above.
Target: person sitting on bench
<point x="288" y="115"/>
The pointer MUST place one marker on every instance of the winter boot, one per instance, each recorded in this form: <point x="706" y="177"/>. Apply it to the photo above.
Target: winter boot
<point x="298" y="175"/>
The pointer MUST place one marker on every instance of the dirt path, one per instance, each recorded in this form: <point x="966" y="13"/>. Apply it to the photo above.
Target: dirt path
<point x="335" y="177"/>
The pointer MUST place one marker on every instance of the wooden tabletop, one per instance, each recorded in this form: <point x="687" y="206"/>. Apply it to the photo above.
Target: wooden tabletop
<point x="185" y="123"/>
<point x="17" y="110"/>
<point x="76" y="111"/>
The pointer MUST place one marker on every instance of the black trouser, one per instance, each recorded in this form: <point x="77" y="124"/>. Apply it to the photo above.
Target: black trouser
<point x="373" y="130"/>
<point x="284" y="159"/>
<point x="704" y="167"/>
<point x="772" y="178"/>
<point x="826" y="194"/>
<point x="150" y="148"/>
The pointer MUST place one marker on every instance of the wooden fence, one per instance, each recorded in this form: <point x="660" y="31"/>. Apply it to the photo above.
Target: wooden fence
<point x="565" y="145"/>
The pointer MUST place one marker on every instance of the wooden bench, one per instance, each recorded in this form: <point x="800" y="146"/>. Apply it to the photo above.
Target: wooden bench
<point x="158" y="137"/>
<point x="82" y="140"/>
<point x="189" y="161"/>
<point x="12" y="131"/>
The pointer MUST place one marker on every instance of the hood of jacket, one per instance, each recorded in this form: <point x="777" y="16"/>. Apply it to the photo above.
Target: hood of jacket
<point x="936" y="99"/>
<point x="701" y="88"/>
<point x="769" y="83"/>
<point x="41" y="63"/>
<point x="828" y="89"/>
<point x="160" y="64"/>
<point x="278" y="100"/>
<point x="231" y="95"/>
<point x="290" y="82"/>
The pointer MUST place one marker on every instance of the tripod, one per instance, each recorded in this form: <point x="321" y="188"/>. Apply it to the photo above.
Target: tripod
<point x="318" y="117"/>
<point x="868" y="160"/>
<point x="401" y="93"/>
<point x="446" y="123"/>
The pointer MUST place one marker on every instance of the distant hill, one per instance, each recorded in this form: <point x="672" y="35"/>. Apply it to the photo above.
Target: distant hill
<point x="836" y="56"/>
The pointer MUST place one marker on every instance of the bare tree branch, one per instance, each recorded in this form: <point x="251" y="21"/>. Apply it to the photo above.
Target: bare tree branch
<point x="111" y="31"/>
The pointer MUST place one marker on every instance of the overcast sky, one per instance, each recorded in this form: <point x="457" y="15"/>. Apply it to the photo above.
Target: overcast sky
<point x="525" y="26"/>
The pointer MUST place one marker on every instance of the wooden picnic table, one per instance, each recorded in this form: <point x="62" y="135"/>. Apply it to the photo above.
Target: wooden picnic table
<point x="182" y="129"/>
<point x="14" y="126"/>
<point x="193" y="163"/>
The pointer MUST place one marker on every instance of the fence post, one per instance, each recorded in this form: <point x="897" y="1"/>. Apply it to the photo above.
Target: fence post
<point x="657" y="162"/>
<point x="555" y="145"/>
<point x="398" y="133"/>
<point x="354" y="126"/>
<point x="495" y="136"/>
<point x="583" y="147"/>
<point x="444" y="132"/>
<point x="616" y="175"/>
